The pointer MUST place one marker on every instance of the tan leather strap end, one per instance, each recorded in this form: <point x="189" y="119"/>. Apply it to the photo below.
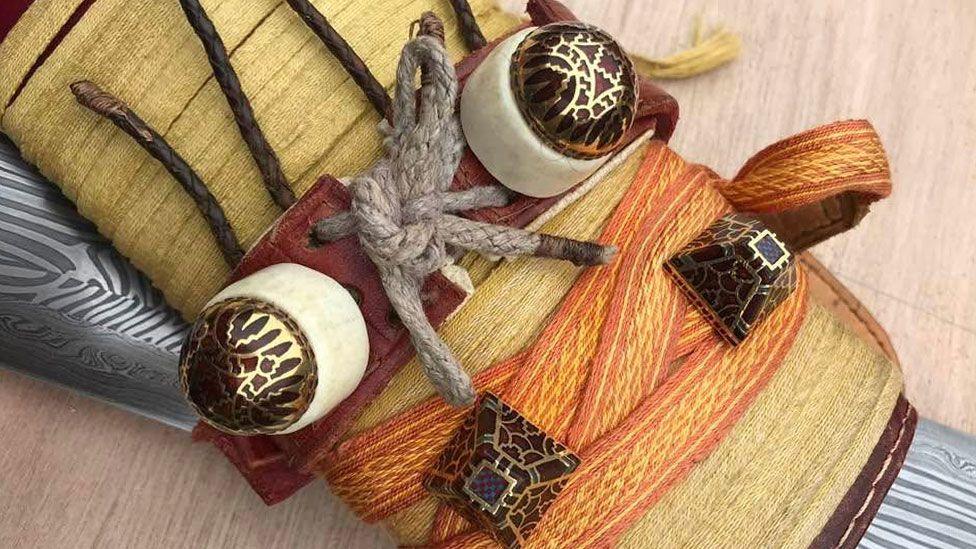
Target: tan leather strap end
<point x="809" y="225"/>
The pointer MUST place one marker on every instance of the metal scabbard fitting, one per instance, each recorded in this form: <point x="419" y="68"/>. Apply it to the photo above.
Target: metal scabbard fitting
<point x="576" y="87"/>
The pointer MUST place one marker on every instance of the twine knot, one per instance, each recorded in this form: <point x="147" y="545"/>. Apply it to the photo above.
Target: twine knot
<point x="402" y="207"/>
<point x="398" y="234"/>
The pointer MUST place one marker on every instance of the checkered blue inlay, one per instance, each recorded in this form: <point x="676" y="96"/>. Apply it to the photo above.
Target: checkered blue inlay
<point x="488" y="485"/>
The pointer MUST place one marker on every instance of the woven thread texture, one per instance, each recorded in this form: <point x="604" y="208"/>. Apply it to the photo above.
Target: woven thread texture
<point x="315" y="117"/>
<point x="625" y="372"/>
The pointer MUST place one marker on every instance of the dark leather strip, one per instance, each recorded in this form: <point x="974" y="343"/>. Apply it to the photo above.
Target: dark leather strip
<point x="468" y="24"/>
<point x="812" y="224"/>
<point x="73" y="20"/>
<point x="288" y="241"/>
<point x="109" y="106"/>
<point x="850" y="520"/>
<point x="261" y="151"/>
<point x="343" y="52"/>
<point x="260" y="461"/>
<point x="550" y="11"/>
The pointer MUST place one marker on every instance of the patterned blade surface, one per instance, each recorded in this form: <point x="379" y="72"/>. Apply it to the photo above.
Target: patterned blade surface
<point x="75" y="312"/>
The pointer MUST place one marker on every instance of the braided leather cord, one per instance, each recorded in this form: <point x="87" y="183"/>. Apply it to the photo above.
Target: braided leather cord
<point x="261" y="151"/>
<point x="341" y="49"/>
<point x="470" y="31"/>
<point x="107" y="105"/>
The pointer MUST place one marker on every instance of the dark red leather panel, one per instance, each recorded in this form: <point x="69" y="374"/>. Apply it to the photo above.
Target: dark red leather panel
<point x="344" y="260"/>
<point x="14" y="16"/>
<point x="10" y="12"/>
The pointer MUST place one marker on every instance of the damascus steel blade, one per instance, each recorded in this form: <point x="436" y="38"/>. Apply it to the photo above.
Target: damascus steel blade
<point x="933" y="500"/>
<point x="76" y="313"/>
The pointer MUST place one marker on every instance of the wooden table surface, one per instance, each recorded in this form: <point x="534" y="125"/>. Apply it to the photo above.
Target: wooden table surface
<point x="76" y="473"/>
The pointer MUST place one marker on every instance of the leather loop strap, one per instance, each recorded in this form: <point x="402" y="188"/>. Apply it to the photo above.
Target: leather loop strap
<point x="807" y="226"/>
<point x="814" y="185"/>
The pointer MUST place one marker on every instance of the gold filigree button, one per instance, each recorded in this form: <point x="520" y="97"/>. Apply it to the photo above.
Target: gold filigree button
<point x="253" y="369"/>
<point x="274" y="352"/>
<point x="575" y="87"/>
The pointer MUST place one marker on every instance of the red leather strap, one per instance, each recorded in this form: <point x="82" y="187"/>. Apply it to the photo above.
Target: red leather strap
<point x="543" y="12"/>
<point x="10" y="13"/>
<point x="286" y="457"/>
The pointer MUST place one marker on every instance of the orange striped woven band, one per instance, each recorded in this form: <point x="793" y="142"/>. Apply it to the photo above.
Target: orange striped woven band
<point x="626" y="374"/>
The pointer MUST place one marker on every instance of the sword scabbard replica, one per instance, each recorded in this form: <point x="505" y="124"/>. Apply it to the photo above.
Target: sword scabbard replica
<point x="684" y="384"/>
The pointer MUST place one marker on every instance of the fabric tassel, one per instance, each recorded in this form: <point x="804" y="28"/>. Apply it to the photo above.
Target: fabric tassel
<point x="707" y="52"/>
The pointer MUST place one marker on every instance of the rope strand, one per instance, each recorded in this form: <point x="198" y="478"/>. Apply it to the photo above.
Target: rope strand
<point x="257" y="143"/>
<point x="112" y="108"/>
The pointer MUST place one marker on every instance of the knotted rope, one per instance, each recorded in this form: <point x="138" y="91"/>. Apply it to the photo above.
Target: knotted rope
<point x="402" y="207"/>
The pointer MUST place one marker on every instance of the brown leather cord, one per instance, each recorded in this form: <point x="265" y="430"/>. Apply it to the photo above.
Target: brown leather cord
<point x="429" y="25"/>
<point x="341" y="49"/>
<point x="470" y="31"/>
<point x="261" y="151"/>
<point x="109" y="106"/>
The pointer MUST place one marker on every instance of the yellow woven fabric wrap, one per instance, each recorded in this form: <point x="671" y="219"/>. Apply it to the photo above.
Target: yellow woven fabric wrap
<point x="783" y="468"/>
<point x="782" y="471"/>
<point x="145" y="52"/>
<point x="25" y="42"/>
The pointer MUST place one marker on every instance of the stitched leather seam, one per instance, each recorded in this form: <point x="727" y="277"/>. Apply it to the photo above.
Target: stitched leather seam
<point x="854" y="306"/>
<point x="874" y="485"/>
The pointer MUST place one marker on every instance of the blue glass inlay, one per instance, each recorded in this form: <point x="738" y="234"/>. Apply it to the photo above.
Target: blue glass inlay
<point x="771" y="250"/>
<point x="488" y="485"/>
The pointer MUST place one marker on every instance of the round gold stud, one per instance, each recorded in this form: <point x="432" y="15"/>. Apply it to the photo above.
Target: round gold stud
<point x="274" y="352"/>
<point x="247" y="367"/>
<point x="575" y="87"/>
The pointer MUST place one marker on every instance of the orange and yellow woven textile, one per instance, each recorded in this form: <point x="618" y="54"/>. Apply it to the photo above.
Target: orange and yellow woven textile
<point x="626" y="373"/>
